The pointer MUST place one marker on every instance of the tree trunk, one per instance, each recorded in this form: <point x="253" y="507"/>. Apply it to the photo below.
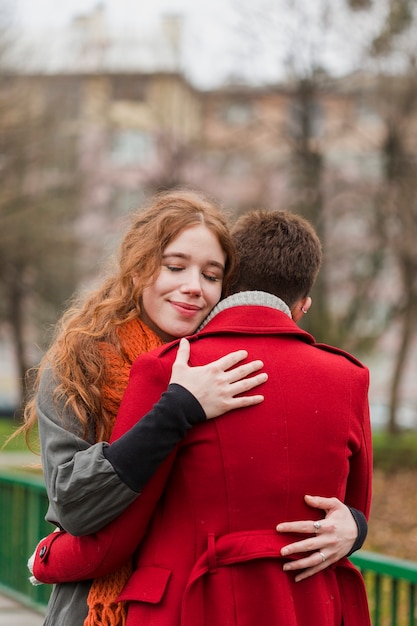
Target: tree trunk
<point x="16" y="302"/>
<point x="407" y="330"/>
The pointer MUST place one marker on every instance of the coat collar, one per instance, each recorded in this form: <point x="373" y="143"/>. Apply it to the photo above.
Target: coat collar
<point x="253" y="319"/>
<point x="248" y="313"/>
<point x="263" y="313"/>
<point x="247" y="298"/>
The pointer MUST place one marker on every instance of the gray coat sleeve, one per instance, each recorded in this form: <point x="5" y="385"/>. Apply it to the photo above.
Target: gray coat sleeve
<point x="85" y="492"/>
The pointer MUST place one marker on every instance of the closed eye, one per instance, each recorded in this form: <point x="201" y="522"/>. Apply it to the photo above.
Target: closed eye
<point x="174" y="268"/>
<point x="212" y="278"/>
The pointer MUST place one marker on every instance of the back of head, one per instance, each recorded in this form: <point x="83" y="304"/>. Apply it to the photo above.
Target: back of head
<point x="279" y="252"/>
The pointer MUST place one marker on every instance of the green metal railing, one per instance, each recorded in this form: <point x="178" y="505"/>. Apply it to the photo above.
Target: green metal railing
<point x="391" y="583"/>
<point x="391" y="586"/>
<point x="23" y="504"/>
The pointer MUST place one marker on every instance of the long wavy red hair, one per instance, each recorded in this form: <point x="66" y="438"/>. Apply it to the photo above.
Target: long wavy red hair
<point x="74" y="354"/>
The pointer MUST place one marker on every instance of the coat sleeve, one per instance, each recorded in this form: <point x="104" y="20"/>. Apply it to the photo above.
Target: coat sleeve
<point x="64" y="558"/>
<point x="359" y="485"/>
<point x="89" y="485"/>
<point x="84" y="490"/>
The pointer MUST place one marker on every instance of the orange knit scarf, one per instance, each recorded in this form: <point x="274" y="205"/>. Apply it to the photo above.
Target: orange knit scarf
<point x="135" y="339"/>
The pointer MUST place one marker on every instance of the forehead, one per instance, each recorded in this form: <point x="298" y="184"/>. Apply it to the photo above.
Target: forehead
<point x="196" y="241"/>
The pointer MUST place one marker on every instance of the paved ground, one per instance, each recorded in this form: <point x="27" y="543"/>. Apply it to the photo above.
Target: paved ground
<point x="18" y="459"/>
<point x="14" y="614"/>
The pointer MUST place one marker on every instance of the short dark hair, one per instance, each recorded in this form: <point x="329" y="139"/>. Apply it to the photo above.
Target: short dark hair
<point x="278" y="252"/>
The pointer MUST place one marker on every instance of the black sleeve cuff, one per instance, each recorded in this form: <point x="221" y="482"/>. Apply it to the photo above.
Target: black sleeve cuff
<point x="362" y="525"/>
<point x="138" y="453"/>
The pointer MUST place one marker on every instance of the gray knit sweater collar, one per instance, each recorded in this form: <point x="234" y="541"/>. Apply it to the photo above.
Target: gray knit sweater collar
<point x="248" y="298"/>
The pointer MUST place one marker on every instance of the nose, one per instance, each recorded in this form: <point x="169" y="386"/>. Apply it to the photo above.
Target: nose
<point x="192" y="284"/>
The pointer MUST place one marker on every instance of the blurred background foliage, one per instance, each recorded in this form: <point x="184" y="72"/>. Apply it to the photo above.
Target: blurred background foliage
<point x="84" y="142"/>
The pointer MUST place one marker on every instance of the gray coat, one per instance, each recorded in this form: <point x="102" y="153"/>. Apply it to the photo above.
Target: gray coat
<point x="89" y="484"/>
<point x="85" y="493"/>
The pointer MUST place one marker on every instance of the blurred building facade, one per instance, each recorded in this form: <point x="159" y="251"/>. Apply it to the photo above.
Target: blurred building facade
<point x="140" y="131"/>
<point x="141" y="126"/>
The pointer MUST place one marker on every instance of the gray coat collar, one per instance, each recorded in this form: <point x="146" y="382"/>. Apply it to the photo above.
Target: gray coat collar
<point x="248" y="298"/>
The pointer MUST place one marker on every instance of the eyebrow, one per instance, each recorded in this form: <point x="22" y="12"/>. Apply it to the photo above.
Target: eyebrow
<point x="181" y="255"/>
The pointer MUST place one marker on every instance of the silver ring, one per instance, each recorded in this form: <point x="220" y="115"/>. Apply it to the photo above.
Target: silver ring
<point x="304" y="310"/>
<point x="322" y="555"/>
<point x="317" y="526"/>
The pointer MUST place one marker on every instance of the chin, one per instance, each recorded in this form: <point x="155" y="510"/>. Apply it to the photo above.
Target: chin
<point x="185" y="331"/>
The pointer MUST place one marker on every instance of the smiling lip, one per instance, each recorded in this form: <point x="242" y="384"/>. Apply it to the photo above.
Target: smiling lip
<point x="188" y="310"/>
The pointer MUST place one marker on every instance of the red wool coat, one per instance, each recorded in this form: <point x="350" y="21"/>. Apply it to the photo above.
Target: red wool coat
<point x="209" y="553"/>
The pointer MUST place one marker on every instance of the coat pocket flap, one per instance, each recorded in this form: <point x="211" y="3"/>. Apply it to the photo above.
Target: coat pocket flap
<point x="146" y="584"/>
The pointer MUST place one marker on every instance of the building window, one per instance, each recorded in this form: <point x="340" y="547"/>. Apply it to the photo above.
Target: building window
<point x="62" y="97"/>
<point x="129" y="88"/>
<point x="367" y="115"/>
<point x="125" y="200"/>
<point x="132" y="147"/>
<point x="237" y="113"/>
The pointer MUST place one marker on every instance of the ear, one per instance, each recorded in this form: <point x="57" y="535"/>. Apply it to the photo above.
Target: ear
<point x="301" y="308"/>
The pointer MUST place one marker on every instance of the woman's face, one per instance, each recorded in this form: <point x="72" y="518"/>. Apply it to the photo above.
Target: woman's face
<point x="188" y="285"/>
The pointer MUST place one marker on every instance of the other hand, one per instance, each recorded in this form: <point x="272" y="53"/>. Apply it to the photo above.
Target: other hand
<point x="332" y="540"/>
<point x="217" y="384"/>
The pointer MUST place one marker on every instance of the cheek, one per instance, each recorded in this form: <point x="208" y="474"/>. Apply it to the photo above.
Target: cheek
<point x="213" y="294"/>
<point x="155" y="289"/>
<point x="151" y="295"/>
<point x="146" y="303"/>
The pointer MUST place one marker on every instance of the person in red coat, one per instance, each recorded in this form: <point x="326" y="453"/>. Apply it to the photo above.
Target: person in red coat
<point x="208" y="551"/>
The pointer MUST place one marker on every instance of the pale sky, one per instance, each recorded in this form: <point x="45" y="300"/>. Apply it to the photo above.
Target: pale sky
<point x="209" y="25"/>
<point x="216" y="42"/>
<point x="59" y="13"/>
